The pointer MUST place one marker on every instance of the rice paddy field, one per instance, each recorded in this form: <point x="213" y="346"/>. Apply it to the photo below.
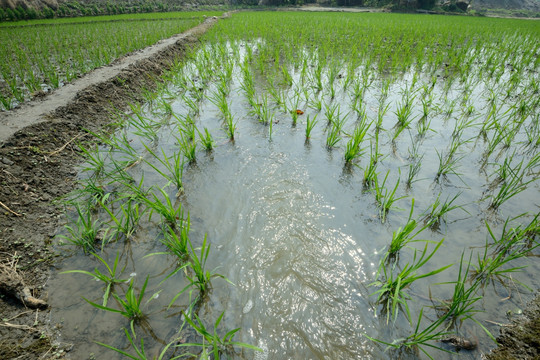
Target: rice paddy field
<point x="42" y="55"/>
<point x="313" y="186"/>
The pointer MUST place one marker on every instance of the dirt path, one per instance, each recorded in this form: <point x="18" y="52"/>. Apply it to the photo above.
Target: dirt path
<point x="38" y="155"/>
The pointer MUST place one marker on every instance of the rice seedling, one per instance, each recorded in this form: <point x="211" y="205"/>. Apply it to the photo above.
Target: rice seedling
<point x="123" y="154"/>
<point x="206" y="139"/>
<point x="127" y="220"/>
<point x="220" y="100"/>
<point x="109" y="278"/>
<point x="266" y="115"/>
<point x="420" y="340"/>
<point x="85" y="232"/>
<point x="186" y="127"/>
<point x="460" y="306"/>
<point x="212" y="341"/>
<point x="370" y="172"/>
<point x="489" y="267"/>
<point x="188" y="147"/>
<point x="333" y="72"/>
<point x="353" y="149"/>
<point x="231" y="127"/>
<point x="333" y="137"/>
<point x="426" y="101"/>
<point x="174" y="169"/>
<point x="533" y="135"/>
<point x="247" y="84"/>
<point x="198" y="265"/>
<point x="192" y="105"/>
<point x="331" y="112"/>
<point x="449" y="108"/>
<point x="177" y="244"/>
<point x="414" y="170"/>
<point x="512" y="185"/>
<point x="448" y="162"/>
<point x="385" y="198"/>
<point x="385" y="87"/>
<point x="439" y="210"/>
<point x="277" y="94"/>
<point x="315" y="104"/>
<point x="391" y="293"/>
<point x="403" y="236"/>
<point x="359" y="88"/>
<point x="92" y="193"/>
<point x="359" y="109"/>
<point x="380" y="117"/>
<point x="287" y="78"/>
<point x="95" y="160"/>
<point x="165" y="107"/>
<point x="144" y="126"/>
<point x="403" y="113"/>
<point x="317" y="76"/>
<point x="310" y="124"/>
<point x="139" y="350"/>
<point x="132" y="190"/>
<point x="130" y="307"/>
<point x="516" y="237"/>
<point x="293" y="109"/>
<point x="201" y="280"/>
<point x="171" y="214"/>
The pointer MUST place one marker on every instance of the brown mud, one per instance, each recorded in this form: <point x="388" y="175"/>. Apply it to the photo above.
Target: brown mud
<point x="38" y="159"/>
<point x="520" y="339"/>
<point x="38" y="156"/>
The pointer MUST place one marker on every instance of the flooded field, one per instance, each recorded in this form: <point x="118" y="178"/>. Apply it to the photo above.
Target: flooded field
<point x="327" y="201"/>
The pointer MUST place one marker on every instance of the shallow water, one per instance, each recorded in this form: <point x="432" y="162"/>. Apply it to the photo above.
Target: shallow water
<point x="300" y="238"/>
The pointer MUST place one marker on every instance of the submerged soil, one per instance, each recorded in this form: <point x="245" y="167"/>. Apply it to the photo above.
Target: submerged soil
<point x="38" y="158"/>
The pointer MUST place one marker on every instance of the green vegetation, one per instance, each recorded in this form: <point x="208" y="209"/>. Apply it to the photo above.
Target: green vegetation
<point x="73" y="9"/>
<point x="454" y="109"/>
<point x="45" y="56"/>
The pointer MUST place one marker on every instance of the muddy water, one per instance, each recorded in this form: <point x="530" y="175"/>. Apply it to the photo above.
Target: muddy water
<point x="300" y="239"/>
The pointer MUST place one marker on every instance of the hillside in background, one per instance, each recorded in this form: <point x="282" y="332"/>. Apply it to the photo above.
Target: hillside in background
<point x="32" y="9"/>
<point x="531" y="5"/>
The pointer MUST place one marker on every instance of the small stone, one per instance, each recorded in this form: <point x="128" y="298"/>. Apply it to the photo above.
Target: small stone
<point x="7" y="162"/>
<point x="247" y="307"/>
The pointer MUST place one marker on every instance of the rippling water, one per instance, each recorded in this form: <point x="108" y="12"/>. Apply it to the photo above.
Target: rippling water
<point x="291" y="247"/>
<point x="298" y="237"/>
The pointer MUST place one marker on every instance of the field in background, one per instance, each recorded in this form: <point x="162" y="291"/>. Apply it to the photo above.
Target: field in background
<point x="42" y="55"/>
